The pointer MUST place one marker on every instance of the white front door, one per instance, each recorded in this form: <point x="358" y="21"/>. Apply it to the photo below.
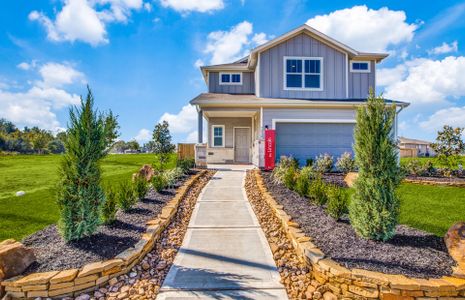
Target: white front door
<point x="242" y="145"/>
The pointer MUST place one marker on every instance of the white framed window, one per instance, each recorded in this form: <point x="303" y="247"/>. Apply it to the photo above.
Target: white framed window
<point x="230" y="78"/>
<point x="358" y="66"/>
<point x="303" y="73"/>
<point x="218" y="136"/>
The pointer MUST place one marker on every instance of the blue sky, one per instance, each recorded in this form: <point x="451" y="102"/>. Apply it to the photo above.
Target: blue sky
<point x="140" y="57"/>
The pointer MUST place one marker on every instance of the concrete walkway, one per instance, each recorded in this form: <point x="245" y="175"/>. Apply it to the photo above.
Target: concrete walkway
<point x="225" y="254"/>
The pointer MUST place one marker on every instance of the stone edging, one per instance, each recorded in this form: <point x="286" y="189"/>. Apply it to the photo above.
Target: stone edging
<point x="358" y="283"/>
<point x="433" y="182"/>
<point x="72" y="282"/>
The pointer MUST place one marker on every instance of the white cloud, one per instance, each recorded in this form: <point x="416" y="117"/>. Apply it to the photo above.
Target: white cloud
<point x="183" y="122"/>
<point x="148" y="6"/>
<point x="192" y="137"/>
<point x="143" y="135"/>
<point x="36" y="106"/>
<point x="85" y="20"/>
<point x="453" y="116"/>
<point x="57" y="75"/>
<point x="366" y="29"/>
<point x="390" y="76"/>
<point x="228" y="46"/>
<point x="199" y="63"/>
<point x="445" y="48"/>
<point x="186" y="6"/>
<point x="427" y="81"/>
<point x="24" y="66"/>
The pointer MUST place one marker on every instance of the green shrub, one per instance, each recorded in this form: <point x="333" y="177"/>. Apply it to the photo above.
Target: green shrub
<point x="323" y="163"/>
<point x="303" y="181"/>
<point x="337" y="202"/>
<point x="141" y="187"/>
<point x="109" y="208"/>
<point x="185" y="164"/>
<point x="374" y="208"/>
<point x="309" y="162"/>
<point x="290" y="177"/>
<point x="317" y="191"/>
<point x="279" y="172"/>
<point x="127" y="195"/>
<point x="159" y="182"/>
<point x="345" y="163"/>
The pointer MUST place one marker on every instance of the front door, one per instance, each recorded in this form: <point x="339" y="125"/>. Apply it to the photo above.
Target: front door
<point x="242" y="145"/>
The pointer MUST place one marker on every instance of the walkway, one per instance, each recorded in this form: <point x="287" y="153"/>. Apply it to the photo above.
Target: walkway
<point x="224" y="254"/>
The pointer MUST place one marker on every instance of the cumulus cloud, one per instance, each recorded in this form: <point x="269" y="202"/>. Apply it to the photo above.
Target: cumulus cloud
<point x="366" y="29"/>
<point x="37" y="105"/>
<point x="426" y="80"/>
<point x="183" y="122"/>
<point x="58" y="75"/>
<point x="192" y="137"/>
<point x="186" y="6"/>
<point x="24" y="66"/>
<point x="84" y="20"/>
<point x="143" y="135"/>
<point x="228" y="46"/>
<point x="445" y="48"/>
<point x="453" y="116"/>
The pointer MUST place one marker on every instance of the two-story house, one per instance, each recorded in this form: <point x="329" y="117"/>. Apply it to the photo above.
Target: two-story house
<point x="303" y="84"/>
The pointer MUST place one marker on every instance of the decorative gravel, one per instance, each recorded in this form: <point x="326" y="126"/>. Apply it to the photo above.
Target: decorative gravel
<point x="53" y="253"/>
<point x="438" y="179"/>
<point x="411" y="252"/>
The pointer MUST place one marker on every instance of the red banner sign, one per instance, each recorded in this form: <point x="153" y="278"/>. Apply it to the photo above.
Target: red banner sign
<point x="270" y="149"/>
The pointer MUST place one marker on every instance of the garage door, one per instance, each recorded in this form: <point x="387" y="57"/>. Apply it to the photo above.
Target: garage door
<point x="307" y="140"/>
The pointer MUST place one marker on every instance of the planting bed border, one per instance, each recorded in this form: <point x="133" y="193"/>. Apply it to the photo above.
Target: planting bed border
<point x="71" y="282"/>
<point x="359" y="283"/>
<point x="435" y="182"/>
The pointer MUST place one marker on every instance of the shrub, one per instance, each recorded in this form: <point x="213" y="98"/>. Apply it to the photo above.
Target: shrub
<point x="317" y="191"/>
<point x="337" y="202"/>
<point x="159" y="182"/>
<point x="185" y="164"/>
<point x="303" y="181"/>
<point x="127" y="196"/>
<point x="290" y="177"/>
<point x="172" y="176"/>
<point x="345" y="163"/>
<point x="141" y="187"/>
<point x="309" y="162"/>
<point x="323" y="163"/>
<point x="374" y="208"/>
<point x="280" y="170"/>
<point x="109" y="209"/>
<point x="79" y="194"/>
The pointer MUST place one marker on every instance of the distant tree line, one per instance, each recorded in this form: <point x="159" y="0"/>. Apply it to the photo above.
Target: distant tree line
<point x="29" y="140"/>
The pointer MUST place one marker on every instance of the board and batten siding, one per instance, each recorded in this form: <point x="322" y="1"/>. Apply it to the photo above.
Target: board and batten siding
<point x="306" y="113"/>
<point x="229" y="124"/>
<point x="272" y="69"/>
<point x="247" y="86"/>
<point x="360" y="83"/>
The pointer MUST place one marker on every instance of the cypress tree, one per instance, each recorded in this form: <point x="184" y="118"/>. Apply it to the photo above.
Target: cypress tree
<point x="80" y="195"/>
<point x="374" y="209"/>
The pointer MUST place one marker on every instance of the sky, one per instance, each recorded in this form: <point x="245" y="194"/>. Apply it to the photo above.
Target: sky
<point x="141" y="58"/>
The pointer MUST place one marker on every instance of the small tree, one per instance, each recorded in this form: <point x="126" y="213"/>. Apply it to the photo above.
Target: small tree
<point x="80" y="195"/>
<point x="162" y="142"/>
<point x="449" y="145"/>
<point x="374" y="208"/>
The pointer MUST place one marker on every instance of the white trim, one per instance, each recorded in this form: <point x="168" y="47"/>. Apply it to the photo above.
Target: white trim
<point x="230" y="74"/>
<point x="347" y="76"/>
<point x="260" y="134"/>
<point x="322" y="121"/>
<point x="212" y="138"/>
<point x="303" y="58"/>
<point x="250" y="140"/>
<point x="257" y="77"/>
<point x="360" y="71"/>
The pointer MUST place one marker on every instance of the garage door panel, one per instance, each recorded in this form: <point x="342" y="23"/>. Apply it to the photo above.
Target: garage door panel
<point x="307" y="140"/>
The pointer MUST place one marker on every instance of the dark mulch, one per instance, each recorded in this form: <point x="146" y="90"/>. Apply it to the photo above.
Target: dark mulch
<point x="411" y="252"/>
<point x="335" y="178"/>
<point x="53" y="253"/>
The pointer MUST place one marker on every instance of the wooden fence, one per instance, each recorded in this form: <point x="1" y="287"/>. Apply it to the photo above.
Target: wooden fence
<point x="186" y="151"/>
<point x="408" y="152"/>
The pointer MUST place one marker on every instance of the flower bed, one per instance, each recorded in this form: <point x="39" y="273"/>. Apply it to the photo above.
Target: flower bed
<point x="350" y="280"/>
<point x="62" y="282"/>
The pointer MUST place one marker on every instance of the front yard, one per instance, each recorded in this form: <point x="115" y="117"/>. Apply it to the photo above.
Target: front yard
<point x="37" y="175"/>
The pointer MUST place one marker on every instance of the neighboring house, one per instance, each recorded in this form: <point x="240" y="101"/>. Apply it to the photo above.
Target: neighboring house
<point x="303" y="84"/>
<point x="413" y="148"/>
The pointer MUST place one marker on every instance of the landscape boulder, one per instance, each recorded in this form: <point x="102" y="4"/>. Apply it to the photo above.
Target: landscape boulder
<point x="350" y="178"/>
<point x="455" y="242"/>
<point x="14" y="258"/>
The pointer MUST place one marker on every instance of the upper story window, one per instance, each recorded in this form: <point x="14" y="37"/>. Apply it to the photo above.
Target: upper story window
<point x="303" y="73"/>
<point x="230" y="78"/>
<point x="218" y="135"/>
<point x="360" y="66"/>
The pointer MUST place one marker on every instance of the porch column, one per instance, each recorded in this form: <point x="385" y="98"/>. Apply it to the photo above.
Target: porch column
<point x="200" y="126"/>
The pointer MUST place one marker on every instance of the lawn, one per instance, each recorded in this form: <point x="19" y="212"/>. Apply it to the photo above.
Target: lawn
<point x="37" y="175"/>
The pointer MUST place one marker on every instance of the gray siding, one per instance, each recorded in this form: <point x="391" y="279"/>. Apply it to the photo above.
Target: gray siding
<point x="247" y="86"/>
<point x="229" y="124"/>
<point x="334" y="69"/>
<point x="360" y="83"/>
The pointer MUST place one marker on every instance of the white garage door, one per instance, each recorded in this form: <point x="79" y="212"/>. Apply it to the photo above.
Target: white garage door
<point x="307" y="140"/>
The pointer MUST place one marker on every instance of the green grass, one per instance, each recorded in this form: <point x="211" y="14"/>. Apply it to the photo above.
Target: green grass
<point x="430" y="208"/>
<point x="37" y="175"/>
<point x="434" y="160"/>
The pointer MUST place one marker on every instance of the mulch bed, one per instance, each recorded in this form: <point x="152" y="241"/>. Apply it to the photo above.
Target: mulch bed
<point x="53" y="253"/>
<point x="460" y="180"/>
<point x="411" y="252"/>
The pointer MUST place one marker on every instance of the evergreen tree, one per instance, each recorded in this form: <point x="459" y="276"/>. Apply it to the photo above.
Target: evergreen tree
<point x="374" y="208"/>
<point x="80" y="196"/>
<point x="162" y="142"/>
